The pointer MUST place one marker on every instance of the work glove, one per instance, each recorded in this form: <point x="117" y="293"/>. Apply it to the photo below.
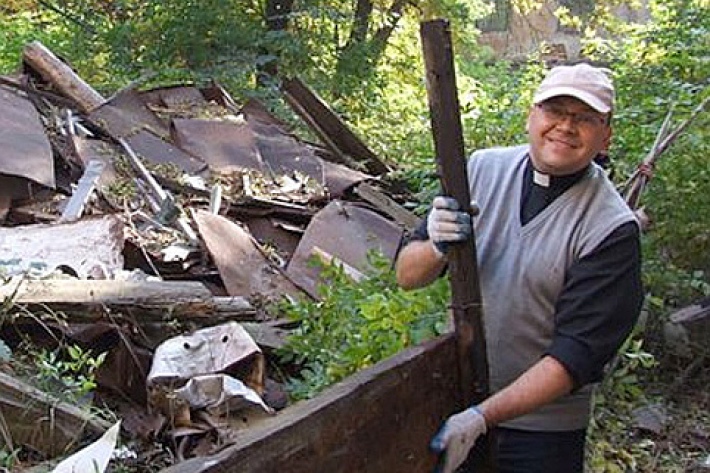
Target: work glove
<point x="448" y="224"/>
<point x="455" y="439"/>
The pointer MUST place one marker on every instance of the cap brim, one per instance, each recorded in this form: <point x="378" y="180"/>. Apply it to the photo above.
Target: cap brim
<point x="585" y="97"/>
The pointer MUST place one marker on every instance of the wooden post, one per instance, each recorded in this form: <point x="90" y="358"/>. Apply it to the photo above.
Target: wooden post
<point x="448" y="141"/>
<point x="463" y="266"/>
<point x="61" y="76"/>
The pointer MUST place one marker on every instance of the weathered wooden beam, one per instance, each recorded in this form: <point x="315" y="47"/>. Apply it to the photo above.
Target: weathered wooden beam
<point x="36" y="419"/>
<point x="451" y="163"/>
<point x="104" y="291"/>
<point x="335" y="134"/>
<point x="387" y="205"/>
<point x="58" y="74"/>
<point x="85" y="300"/>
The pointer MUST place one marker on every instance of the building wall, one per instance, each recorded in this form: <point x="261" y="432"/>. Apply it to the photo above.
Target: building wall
<point x="518" y="36"/>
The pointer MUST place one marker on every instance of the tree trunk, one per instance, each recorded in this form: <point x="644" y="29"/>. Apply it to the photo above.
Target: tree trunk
<point x="276" y="16"/>
<point x="360" y="56"/>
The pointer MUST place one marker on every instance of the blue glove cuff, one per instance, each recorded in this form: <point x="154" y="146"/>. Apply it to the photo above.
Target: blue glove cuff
<point x="478" y="411"/>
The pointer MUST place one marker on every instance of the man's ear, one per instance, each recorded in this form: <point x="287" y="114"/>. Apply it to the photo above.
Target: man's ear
<point x="607" y="139"/>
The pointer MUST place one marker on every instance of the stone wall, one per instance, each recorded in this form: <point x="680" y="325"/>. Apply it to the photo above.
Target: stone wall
<point x="527" y="34"/>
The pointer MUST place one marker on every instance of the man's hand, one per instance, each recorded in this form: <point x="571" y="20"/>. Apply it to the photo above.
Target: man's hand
<point x="447" y="224"/>
<point x="456" y="438"/>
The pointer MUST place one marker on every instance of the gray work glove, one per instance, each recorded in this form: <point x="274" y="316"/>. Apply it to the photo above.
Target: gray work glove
<point x="456" y="438"/>
<point x="448" y="224"/>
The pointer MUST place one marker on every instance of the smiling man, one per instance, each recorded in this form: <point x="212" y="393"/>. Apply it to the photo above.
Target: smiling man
<point x="559" y="268"/>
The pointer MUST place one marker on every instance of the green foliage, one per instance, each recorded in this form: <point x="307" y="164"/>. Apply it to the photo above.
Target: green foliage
<point x="8" y="459"/>
<point x="355" y="325"/>
<point x="73" y="370"/>
<point x="668" y="57"/>
<point x="608" y="448"/>
<point x="20" y="28"/>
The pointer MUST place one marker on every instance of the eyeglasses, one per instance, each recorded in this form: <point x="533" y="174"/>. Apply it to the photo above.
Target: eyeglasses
<point x="557" y="113"/>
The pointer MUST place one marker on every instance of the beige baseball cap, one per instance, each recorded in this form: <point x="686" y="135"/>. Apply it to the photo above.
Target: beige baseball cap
<point x="589" y="84"/>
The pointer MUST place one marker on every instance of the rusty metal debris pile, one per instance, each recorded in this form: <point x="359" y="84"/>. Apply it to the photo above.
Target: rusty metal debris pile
<point x="156" y="226"/>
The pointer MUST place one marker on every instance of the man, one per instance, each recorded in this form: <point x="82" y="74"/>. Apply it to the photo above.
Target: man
<point x="559" y="267"/>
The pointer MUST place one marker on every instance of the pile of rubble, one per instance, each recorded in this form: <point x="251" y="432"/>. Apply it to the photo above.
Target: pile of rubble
<point x="155" y="226"/>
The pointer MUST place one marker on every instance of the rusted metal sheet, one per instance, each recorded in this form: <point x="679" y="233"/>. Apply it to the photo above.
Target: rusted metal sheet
<point x="387" y="205"/>
<point x="283" y="153"/>
<point x="130" y="103"/>
<point x="283" y="235"/>
<point x="178" y="96"/>
<point x="255" y="110"/>
<point x="13" y="187"/>
<point x="261" y="146"/>
<point x="219" y="95"/>
<point x="26" y="151"/>
<point x="346" y="233"/>
<point x="379" y="420"/>
<point x="143" y="137"/>
<point x="244" y="269"/>
<point x="221" y="144"/>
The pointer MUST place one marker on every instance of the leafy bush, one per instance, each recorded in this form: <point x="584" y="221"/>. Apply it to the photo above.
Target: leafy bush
<point x="355" y="325"/>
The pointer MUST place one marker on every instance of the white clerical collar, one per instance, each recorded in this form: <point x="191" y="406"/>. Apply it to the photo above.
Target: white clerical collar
<point x="541" y="179"/>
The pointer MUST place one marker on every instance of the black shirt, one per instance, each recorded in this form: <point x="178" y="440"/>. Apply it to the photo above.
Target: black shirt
<point x="602" y="294"/>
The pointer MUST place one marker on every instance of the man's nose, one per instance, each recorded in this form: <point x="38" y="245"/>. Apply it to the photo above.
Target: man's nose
<point x="567" y="121"/>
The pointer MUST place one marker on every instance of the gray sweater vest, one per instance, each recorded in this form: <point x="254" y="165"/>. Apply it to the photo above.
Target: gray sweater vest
<point x="522" y="269"/>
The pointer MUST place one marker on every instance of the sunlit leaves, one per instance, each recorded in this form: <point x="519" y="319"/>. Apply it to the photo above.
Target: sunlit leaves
<point x="354" y="325"/>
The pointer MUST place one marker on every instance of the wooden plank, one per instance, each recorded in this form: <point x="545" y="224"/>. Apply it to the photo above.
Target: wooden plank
<point x="38" y="420"/>
<point x="61" y="76"/>
<point x="385" y="204"/>
<point x="335" y="134"/>
<point x="102" y="291"/>
<point x="379" y="420"/>
<point x="451" y="162"/>
<point x="87" y="300"/>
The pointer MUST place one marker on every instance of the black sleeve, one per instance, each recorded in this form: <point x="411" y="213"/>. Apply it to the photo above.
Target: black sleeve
<point x="420" y="233"/>
<point x="599" y="305"/>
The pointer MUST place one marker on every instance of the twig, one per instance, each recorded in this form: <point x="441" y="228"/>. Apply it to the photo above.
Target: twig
<point x="636" y="184"/>
<point x="68" y="16"/>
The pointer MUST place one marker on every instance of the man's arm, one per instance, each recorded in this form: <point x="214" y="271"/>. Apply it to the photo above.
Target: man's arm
<point x="423" y="259"/>
<point x="541" y="384"/>
<point x="418" y="264"/>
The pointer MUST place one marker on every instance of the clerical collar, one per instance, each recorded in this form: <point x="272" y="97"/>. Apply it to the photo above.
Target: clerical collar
<point x="541" y="179"/>
<point x="540" y="190"/>
<point x="555" y="182"/>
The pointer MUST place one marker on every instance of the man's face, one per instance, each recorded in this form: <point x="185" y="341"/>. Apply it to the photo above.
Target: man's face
<point x="565" y="135"/>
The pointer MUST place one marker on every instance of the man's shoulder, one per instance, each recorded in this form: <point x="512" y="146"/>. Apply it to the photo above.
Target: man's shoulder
<point x="501" y="152"/>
